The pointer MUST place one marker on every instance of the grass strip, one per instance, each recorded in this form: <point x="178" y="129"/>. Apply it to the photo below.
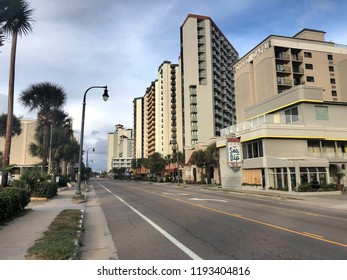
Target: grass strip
<point x="60" y="241"/>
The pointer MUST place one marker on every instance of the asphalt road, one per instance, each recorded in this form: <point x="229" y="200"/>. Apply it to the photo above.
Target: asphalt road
<point x="164" y="222"/>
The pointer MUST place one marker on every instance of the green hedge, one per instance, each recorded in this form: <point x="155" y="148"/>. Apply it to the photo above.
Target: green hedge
<point x="12" y="201"/>
<point x="44" y="189"/>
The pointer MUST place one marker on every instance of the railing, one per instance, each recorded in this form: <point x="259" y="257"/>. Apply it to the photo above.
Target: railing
<point x="264" y="120"/>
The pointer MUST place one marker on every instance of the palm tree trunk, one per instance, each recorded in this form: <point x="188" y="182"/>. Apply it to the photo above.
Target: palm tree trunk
<point x="9" y="124"/>
<point x="45" y="146"/>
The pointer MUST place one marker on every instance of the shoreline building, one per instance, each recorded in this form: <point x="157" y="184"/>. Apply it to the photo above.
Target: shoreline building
<point x="206" y="60"/>
<point x="291" y="98"/>
<point x="158" y="115"/>
<point x="120" y="148"/>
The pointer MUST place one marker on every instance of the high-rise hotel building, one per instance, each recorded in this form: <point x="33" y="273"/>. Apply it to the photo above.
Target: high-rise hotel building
<point x="158" y="115"/>
<point x="291" y="110"/>
<point x="206" y="60"/>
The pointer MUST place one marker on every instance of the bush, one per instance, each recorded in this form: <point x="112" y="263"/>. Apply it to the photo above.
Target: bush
<point x="44" y="189"/>
<point x="63" y="180"/>
<point x="12" y="201"/>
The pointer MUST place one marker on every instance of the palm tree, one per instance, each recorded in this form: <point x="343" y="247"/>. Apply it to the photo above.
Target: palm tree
<point x="17" y="126"/>
<point x="16" y="19"/>
<point x="44" y="98"/>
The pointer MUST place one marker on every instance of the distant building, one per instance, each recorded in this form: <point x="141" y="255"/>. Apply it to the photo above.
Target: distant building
<point x="120" y="148"/>
<point x="158" y="115"/>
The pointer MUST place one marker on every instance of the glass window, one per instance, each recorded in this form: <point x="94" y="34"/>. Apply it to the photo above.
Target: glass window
<point x="332" y="81"/>
<point x="308" y="66"/>
<point x="307" y="54"/>
<point x="310" y="79"/>
<point x="322" y="113"/>
<point x="333" y="93"/>
<point x="330" y="57"/>
<point x="331" y="68"/>
<point x="292" y="115"/>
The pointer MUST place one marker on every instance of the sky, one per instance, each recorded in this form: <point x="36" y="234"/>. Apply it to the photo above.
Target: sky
<point x="121" y="43"/>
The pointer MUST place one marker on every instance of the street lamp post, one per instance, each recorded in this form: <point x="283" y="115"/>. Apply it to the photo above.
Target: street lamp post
<point x="175" y="145"/>
<point x="105" y="97"/>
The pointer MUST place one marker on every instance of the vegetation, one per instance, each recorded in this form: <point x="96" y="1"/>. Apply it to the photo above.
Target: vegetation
<point x="15" y="19"/>
<point x="308" y="187"/>
<point x="16" y="129"/>
<point x="47" y="99"/>
<point x="60" y="241"/>
<point x="12" y="201"/>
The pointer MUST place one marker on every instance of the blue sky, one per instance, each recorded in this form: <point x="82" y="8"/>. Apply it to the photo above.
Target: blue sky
<point x="121" y="43"/>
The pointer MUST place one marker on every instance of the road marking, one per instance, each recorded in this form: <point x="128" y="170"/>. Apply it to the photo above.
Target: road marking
<point x="207" y="199"/>
<point x="178" y="244"/>
<point x="312" y="236"/>
<point x="175" y="193"/>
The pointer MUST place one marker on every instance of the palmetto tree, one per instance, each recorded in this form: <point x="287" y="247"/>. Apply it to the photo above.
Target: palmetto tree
<point x="15" y="19"/>
<point x="16" y="129"/>
<point x="44" y="98"/>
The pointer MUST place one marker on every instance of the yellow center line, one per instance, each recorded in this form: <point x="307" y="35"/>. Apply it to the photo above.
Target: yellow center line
<point x="306" y="234"/>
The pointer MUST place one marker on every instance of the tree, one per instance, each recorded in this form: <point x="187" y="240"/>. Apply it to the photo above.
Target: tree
<point x="156" y="163"/>
<point x="212" y="159"/>
<point x="45" y="98"/>
<point x="16" y="19"/>
<point x="199" y="159"/>
<point x="16" y="129"/>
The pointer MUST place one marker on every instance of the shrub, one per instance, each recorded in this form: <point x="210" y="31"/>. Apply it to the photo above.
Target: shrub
<point x="63" y="180"/>
<point x="44" y="189"/>
<point x="12" y="201"/>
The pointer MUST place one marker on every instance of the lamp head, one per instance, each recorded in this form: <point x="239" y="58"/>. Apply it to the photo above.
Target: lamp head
<point x="105" y="95"/>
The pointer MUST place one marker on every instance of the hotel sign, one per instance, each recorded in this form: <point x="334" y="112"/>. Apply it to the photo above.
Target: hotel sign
<point x="258" y="51"/>
<point x="234" y="152"/>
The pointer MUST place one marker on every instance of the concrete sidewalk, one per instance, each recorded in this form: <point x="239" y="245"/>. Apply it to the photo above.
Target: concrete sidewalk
<point x="17" y="236"/>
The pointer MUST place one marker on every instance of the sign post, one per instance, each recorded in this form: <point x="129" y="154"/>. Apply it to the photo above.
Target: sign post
<point x="234" y="152"/>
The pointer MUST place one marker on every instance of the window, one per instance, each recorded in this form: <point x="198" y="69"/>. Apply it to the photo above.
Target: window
<point x="252" y="149"/>
<point x="330" y="57"/>
<point x="332" y="81"/>
<point x="333" y="93"/>
<point x="322" y="113"/>
<point x="310" y="79"/>
<point x="292" y="115"/>
<point x="309" y="66"/>
<point x="331" y="68"/>
<point x="308" y="54"/>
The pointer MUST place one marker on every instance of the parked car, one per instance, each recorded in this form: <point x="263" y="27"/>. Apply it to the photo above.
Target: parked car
<point x="9" y="178"/>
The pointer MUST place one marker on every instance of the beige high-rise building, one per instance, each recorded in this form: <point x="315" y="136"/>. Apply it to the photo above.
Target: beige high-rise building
<point x="291" y="110"/>
<point x="206" y="61"/>
<point x="158" y="115"/>
<point x="120" y="148"/>
<point x="279" y="63"/>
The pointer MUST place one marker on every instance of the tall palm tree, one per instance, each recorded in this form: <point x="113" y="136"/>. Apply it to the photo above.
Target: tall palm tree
<point x="16" y="19"/>
<point x="45" y="98"/>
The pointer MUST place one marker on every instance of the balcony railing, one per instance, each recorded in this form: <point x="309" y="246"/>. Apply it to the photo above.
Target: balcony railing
<point x="264" y="120"/>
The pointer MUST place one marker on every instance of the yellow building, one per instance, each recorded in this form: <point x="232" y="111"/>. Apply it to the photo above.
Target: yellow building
<point x="20" y="156"/>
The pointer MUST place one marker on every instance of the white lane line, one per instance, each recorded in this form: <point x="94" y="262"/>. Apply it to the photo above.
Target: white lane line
<point x="175" y="193"/>
<point x="207" y="199"/>
<point x="186" y="250"/>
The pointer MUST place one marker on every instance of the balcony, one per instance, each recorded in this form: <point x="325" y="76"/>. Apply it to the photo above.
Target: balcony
<point x="282" y="57"/>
